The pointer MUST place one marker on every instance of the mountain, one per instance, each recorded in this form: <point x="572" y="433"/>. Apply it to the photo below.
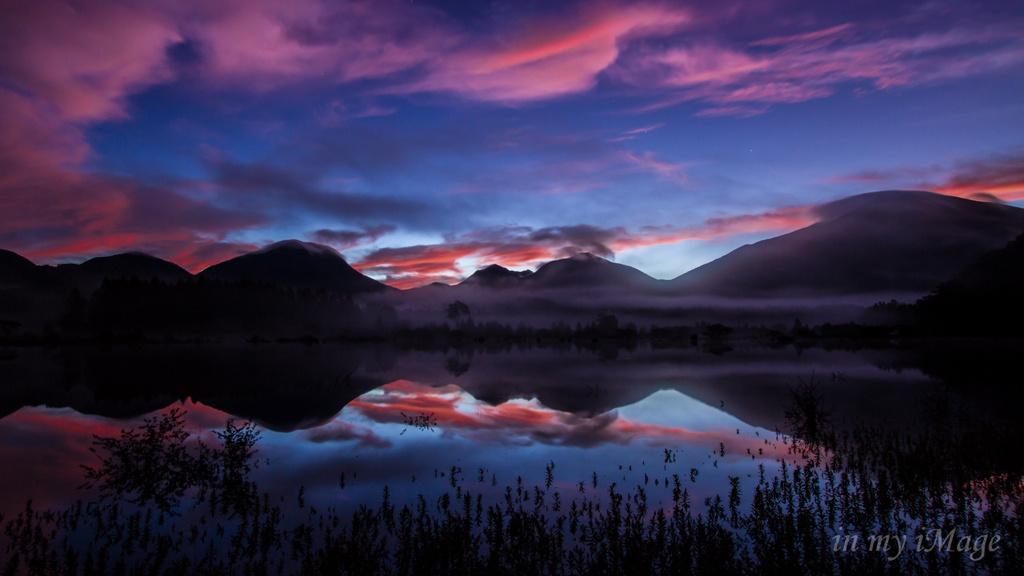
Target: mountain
<point x="893" y="241"/>
<point x="495" y="276"/>
<point x="983" y="299"/>
<point x="19" y="272"/>
<point x="584" y="270"/>
<point x="89" y="275"/>
<point x="295" y="264"/>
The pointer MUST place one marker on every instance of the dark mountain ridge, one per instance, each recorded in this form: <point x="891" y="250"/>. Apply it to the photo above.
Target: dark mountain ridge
<point x="496" y="276"/>
<point x="89" y="275"/>
<point x="585" y="270"/>
<point x="17" y="272"/>
<point x="296" y="264"/>
<point x="893" y="241"/>
<point x="907" y="241"/>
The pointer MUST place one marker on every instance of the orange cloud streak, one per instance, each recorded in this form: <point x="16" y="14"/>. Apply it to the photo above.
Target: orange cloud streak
<point x="1007" y="192"/>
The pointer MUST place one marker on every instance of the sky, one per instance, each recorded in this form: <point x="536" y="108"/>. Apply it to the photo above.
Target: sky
<point x="424" y="140"/>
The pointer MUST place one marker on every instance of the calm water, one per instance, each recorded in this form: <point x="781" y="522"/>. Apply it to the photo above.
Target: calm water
<point x="406" y="419"/>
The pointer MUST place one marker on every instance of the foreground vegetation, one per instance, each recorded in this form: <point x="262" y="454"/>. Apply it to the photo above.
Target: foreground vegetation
<point x="174" y="505"/>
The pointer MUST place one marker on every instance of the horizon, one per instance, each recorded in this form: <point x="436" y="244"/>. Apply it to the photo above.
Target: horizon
<point x="404" y="285"/>
<point x="427" y="140"/>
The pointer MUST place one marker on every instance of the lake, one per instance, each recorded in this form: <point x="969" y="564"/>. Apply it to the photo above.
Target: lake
<point x="343" y="421"/>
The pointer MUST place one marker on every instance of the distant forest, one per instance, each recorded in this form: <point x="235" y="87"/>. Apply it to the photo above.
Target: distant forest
<point x="134" y="310"/>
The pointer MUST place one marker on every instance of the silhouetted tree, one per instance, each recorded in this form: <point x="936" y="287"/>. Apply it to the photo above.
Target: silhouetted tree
<point x="456" y="309"/>
<point x="607" y="325"/>
<point x="717" y="332"/>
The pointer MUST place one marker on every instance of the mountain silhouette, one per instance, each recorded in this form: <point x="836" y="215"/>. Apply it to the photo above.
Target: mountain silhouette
<point x="90" y="274"/>
<point x="496" y="276"/>
<point x="16" y="271"/>
<point x="984" y="298"/>
<point x="892" y="241"/>
<point x="585" y="270"/>
<point x="296" y="264"/>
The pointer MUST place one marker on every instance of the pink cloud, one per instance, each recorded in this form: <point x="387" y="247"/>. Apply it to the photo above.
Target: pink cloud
<point x="669" y="171"/>
<point x="33" y="139"/>
<point x="268" y="44"/>
<point x="832" y="32"/>
<point x="644" y="129"/>
<point x="999" y="177"/>
<point x="813" y="65"/>
<point x="545" y="61"/>
<point x="84" y="58"/>
<point x="70" y="65"/>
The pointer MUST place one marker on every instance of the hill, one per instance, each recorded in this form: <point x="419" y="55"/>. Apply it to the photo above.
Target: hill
<point x="295" y="264"/>
<point x="585" y="270"/>
<point x="90" y="274"/>
<point x="18" y="272"/>
<point x="496" y="276"/>
<point x="894" y="241"/>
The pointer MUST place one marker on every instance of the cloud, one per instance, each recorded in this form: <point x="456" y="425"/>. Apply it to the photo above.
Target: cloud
<point x="521" y="246"/>
<point x="342" y="239"/>
<point x="548" y="165"/>
<point x="745" y="80"/>
<point x="198" y="256"/>
<point x="61" y="213"/>
<point x="84" y="58"/>
<point x="34" y="139"/>
<point x="268" y="187"/>
<point x="544" y="61"/>
<point x="879" y="176"/>
<point x="738" y="111"/>
<point x="636" y="132"/>
<point x="48" y="209"/>
<point x="645" y="129"/>
<point x="999" y="177"/>
<point x="67" y="66"/>
<point x="265" y="44"/>
<point x="664" y="170"/>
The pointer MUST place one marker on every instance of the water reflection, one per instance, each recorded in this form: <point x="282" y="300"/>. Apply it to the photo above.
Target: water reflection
<point x="289" y="387"/>
<point x="373" y="442"/>
<point x="509" y="413"/>
<point x="615" y="485"/>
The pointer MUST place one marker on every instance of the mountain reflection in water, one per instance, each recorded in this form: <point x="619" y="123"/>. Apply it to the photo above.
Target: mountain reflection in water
<point x="417" y="478"/>
<point x="375" y="441"/>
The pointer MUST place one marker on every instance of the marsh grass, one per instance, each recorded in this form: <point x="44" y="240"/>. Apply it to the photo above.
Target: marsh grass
<point x="955" y="474"/>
